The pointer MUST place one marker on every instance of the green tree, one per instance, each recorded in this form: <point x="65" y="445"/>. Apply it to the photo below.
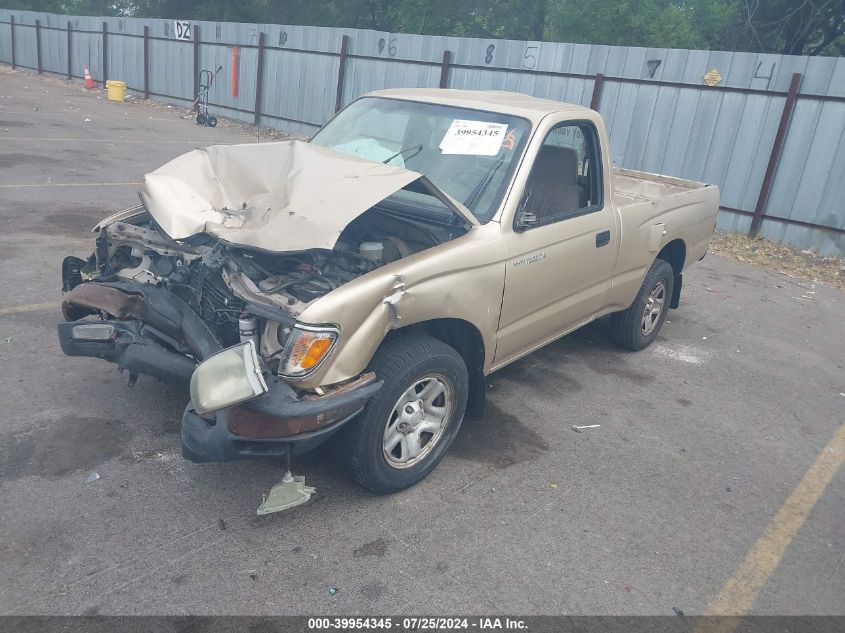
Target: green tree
<point x="793" y="27"/>
<point x="797" y="27"/>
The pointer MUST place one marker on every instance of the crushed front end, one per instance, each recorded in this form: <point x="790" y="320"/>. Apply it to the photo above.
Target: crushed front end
<point x="222" y="319"/>
<point x="208" y="280"/>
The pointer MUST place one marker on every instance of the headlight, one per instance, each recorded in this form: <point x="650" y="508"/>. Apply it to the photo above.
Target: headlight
<point x="226" y="378"/>
<point x="306" y="347"/>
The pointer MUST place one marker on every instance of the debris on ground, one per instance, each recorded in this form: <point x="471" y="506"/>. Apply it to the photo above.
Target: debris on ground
<point x="678" y="612"/>
<point x="578" y="429"/>
<point x="290" y="492"/>
<point x="332" y="591"/>
<point x="92" y="477"/>
<point x="793" y="262"/>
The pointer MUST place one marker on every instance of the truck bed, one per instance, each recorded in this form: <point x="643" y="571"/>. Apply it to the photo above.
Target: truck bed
<point x="631" y="186"/>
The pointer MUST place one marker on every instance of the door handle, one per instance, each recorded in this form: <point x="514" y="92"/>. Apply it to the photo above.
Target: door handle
<point x="602" y="239"/>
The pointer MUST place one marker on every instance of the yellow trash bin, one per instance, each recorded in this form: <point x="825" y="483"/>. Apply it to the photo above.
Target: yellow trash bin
<point x="115" y="90"/>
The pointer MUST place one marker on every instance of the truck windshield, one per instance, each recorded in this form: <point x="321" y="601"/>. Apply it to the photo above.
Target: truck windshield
<point x="469" y="154"/>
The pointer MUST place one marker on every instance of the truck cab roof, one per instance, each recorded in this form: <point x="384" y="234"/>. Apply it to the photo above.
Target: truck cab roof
<point x="514" y="103"/>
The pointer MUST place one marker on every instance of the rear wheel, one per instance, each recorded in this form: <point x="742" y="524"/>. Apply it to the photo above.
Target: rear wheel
<point x="201" y="118"/>
<point x="407" y="427"/>
<point x="211" y="121"/>
<point x="636" y="327"/>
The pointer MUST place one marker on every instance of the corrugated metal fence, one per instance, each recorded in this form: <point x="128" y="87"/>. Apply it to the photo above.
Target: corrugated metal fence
<point x="769" y="133"/>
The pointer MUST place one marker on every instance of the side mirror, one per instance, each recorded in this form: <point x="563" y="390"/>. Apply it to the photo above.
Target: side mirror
<point x="526" y="220"/>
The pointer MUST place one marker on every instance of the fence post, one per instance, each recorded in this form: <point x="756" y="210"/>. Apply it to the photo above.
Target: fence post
<point x="12" y="28"/>
<point x="196" y="61"/>
<point x="597" y="85"/>
<point x="774" y="157"/>
<point x="341" y="72"/>
<point x="105" y="52"/>
<point x="146" y="62"/>
<point x="38" y="45"/>
<point x="259" y="79"/>
<point x="69" y="51"/>
<point x="444" y="68"/>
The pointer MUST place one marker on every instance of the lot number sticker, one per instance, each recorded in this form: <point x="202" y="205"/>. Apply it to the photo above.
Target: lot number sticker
<point x="182" y="30"/>
<point x="476" y="138"/>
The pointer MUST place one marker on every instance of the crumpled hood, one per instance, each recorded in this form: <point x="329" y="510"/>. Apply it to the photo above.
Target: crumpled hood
<point x="278" y="197"/>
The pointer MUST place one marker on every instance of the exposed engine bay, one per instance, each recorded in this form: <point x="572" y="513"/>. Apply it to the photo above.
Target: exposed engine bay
<point x="247" y="293"/>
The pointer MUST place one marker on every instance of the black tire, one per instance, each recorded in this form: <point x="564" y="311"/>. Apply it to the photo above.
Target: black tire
<point x="201" y="118"/>
<point x="401" y="362"/>
<point x="211" y="121"/>
<point x="628" y="328"/>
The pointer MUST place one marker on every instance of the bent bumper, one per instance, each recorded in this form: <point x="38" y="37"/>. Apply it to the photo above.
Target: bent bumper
<point x="269" y="425"/>
<point x="131" y="348"/>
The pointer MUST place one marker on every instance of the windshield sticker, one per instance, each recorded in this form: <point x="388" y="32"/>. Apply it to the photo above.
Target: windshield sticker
<point x="476" y="138"/>
<point x="510" y="141"/>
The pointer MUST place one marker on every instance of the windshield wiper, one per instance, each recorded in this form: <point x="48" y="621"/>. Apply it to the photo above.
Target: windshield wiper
<point x="475" y="194"/>
<point x="419" y="148"/>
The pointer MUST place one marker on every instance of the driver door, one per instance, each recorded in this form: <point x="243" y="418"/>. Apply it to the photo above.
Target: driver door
<point x="562" y="247"/>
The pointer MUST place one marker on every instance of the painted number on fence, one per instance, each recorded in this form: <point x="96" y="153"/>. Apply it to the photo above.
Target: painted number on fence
<point x="531" y="55"/>
<point x="181" y="30"/>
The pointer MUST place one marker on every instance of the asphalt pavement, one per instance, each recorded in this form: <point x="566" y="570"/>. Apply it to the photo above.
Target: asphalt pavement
<point x="702" y="439"/>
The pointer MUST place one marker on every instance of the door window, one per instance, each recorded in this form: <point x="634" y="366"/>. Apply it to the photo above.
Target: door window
<point x="565" y="180"/>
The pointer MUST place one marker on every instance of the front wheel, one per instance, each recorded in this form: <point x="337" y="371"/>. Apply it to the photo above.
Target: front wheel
<point x="407" y="427"/>
<point x="636" y="327"/>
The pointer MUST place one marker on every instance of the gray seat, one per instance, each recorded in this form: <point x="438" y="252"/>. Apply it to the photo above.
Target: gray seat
<point x="553" y="184"/>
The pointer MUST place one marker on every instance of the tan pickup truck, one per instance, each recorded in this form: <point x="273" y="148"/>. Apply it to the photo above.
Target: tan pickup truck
<point x="360" y="286"/>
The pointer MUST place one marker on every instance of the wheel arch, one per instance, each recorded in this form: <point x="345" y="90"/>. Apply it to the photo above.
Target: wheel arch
<point x="675" y="254"/>
<point x="466" y="339"/>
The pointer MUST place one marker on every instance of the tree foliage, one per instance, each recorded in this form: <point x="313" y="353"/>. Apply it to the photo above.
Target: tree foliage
<point x="794" y="27"/>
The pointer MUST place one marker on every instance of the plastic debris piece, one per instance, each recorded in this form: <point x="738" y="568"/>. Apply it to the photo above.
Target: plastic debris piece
<point x="578" y="429"/>
<point x="91" y="477"/>
<point x="332" y="591"/>
<point x="678" y="612"/>
<point x="291" y="492"/>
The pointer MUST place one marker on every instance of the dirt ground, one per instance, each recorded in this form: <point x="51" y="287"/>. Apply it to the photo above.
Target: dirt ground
<point x="792" y="262"/>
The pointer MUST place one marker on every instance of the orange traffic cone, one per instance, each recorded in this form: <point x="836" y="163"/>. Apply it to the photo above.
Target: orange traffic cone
<point x="89" y="81"/>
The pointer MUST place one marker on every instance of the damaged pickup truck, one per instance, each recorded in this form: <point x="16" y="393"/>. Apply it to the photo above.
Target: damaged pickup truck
<point x="360" y="286"/>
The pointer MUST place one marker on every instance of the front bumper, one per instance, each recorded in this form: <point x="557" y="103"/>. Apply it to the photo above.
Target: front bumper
<point x="270" y="425"/>
<point x="133" y="347"/>
<point x="156" y="333"/>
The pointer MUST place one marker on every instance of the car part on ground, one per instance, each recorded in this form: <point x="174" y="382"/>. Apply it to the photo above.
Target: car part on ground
<point x="288" y="493"/>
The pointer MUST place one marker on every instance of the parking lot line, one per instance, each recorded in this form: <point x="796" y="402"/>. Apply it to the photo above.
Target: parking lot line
<point x="29" y="307"/>
<point x="72" y="184"/>
<point x="116" y="141"/>
<point x="740" y="592"/>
